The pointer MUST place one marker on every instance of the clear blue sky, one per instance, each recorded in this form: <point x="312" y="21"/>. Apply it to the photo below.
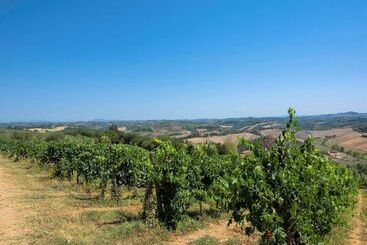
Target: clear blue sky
<point x="80" y="60"/>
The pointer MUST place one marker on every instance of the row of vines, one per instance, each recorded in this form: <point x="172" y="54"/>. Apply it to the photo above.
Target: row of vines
<point x="288" y="191"/>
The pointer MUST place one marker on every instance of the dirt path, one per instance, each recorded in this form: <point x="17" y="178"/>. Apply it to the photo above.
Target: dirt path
<point x="12" y="216"/>
<point x="33" y="208"/>
<point x="358" y="227"/>
<point x="219" y="231"/>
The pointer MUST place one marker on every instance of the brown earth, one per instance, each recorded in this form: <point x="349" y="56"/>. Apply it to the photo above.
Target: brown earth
<point x="346" y="137"/>
<point x="222" y="139"/>
<point x="30" y="210"/>
<point x="122" y="128"/>
<point x="219" y="231"/>
<point x="44" y="130"/>
<point x="357" y="235"/>
<point x="12" y="215"/>
<point x="35" y="209"/>
<point x="271" y="132"/>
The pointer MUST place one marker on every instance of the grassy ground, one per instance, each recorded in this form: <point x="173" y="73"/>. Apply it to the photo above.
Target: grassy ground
<point x="363" y="216"/>
<point x="338" y="234"/>
<point x="355" y="225"/>
<point x="209" y="240"/>
<point x="39" y="210"/>
<point x="358" y="231"/>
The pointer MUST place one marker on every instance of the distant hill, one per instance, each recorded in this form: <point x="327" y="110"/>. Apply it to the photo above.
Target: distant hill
<point x="357" y="121"/>
<point x="343" y="114"/>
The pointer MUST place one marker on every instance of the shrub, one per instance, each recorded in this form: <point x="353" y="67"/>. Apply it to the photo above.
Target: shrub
<point x="290" y="192"/>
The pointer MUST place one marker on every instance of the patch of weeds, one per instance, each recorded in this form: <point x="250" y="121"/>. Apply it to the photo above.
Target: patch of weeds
<point x="60" y="241"/>
<point x="233" y="241"/>
<point x="149" y="237"/>
<point x="98" y="201"/>
<point x="98" y="216"/>
<point x="124" y="230"/>
<point x="205" y="240"/>
<point x="108" y="217"/>
<point x="134" y="232"/>
<point x="38" y="197"/>
<point x="189" y="224"/>
<point x="110" y="234"/>
<point x="213" y="213"/>
<point x="364" y="214"/>
<point x="133" y="194"/>
<point x="208" y="214"/>
<point x="337" y="235"/>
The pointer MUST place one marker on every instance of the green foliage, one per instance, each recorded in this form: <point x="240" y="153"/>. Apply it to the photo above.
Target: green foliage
<point x="172" y="185"/>
<point x="293" y="194"/>
<point x="360" y="172"/>
<point x="286" y="189"/>
<point x="187" y="175"/>
<point x="117" y="164"/>
<point x="131" y="166"/>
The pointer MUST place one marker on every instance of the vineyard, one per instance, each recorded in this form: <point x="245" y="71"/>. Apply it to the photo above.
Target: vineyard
<point x="286" y="191"/>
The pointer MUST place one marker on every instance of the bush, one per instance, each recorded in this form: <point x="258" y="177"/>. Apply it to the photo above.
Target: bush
<point x="172" y="186"/>
<point x="293" y="194"/>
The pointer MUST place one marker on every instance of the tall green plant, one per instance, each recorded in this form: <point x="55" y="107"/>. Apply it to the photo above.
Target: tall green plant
<point x="171" y="182"/>
<point x="290" y="192"/>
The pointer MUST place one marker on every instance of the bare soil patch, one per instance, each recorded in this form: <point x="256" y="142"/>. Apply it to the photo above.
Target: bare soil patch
<point x="357" y="235"/>
<point x="122" y="128"/>
<point x="35" y="209"/>
<point x="220" y="231"/>
<point x="346" y="137"/>
<point x="222" y="139"/>
<point x="12" y="216"/>
<point x="271" y="132"/>
<point x="45" y="130"/>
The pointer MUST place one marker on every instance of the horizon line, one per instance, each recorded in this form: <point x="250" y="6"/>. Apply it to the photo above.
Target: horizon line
<point x="162" y="119"/>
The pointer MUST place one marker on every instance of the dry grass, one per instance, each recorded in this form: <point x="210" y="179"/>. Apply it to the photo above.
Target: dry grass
<point x="223" y="139"/>
<point x="41" y="210"/>
<point x="11" y="215"/>
<point x="174" y="131"/>
<point x="271" y="132"/>
<point x="214" y="233"/>
<point x="346" y="137"/>
<point x="358" y="232"/>
<point x="354" y="231"/>
<point x="182" y="134"/>
<point x="338" y="234"/>
<point x="45" y="130"/>
<point x="122" y="128"/>
<point x="36" y="209"/>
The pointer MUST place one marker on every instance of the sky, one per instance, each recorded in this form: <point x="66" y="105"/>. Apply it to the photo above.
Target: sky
<point x="82" y="60"/>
